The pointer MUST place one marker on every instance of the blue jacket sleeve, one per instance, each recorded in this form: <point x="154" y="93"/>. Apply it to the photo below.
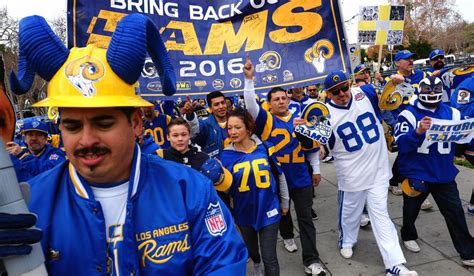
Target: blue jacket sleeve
<point x="217" y="250"/>
<point x="389" y="118"/>
<point x="34" y="165"/>
<point x="406" y="137"/>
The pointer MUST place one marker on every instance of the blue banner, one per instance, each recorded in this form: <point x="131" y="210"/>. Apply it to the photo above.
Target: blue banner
<point x="291" y="43"/>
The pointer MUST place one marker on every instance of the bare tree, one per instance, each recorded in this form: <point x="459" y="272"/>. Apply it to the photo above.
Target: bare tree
<point x="9" y="48"/>
<point x="59" y="27"/>
<point x="8" y="31"/>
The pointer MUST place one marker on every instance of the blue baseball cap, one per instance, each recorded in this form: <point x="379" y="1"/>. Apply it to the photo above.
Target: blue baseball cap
<point x="33" y="125"/>
<point x="404" y="54"/>
<point x="219" y="175"/>
<point x="435" y="53"/>
<point x="359" y="69"/>
<point x="333" y="79"/>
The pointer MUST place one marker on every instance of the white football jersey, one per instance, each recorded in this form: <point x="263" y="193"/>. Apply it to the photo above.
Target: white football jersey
<point x="358" y="143"/>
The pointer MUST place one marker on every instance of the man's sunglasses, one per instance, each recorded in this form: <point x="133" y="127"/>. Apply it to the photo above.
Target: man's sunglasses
<point x="438" y="58"/>
<point x="311" y="90"/>
<point x="336" y="91"/>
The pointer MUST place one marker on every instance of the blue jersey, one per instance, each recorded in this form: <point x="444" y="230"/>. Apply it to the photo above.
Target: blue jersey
<point x="28" y="165"/>
<point x="254" y="189"/>
<point x="297" y="106"/>
<point x="419" y="158"/>
<point x="157" y="129"/>
<point x="279" y="132"/>
<point x="463" y="98"/>
<point x="175" y="224"/>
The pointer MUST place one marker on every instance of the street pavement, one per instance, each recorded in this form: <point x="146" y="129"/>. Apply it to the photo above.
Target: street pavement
<point x="437" y="256"/>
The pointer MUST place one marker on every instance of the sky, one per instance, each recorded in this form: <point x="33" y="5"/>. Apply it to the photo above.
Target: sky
<point x="51" y="9"/>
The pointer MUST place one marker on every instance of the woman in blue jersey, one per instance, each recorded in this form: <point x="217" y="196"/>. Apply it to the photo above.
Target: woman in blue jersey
<point x="255" y="190"/>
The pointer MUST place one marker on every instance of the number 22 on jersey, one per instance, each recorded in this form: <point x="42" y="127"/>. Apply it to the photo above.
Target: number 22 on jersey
<point x="296" y="155"/>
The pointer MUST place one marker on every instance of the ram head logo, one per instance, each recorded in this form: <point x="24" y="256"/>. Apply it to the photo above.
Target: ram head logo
<point x="83" y="73"/>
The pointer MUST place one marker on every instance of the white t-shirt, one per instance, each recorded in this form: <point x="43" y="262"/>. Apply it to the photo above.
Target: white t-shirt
<point x="113" y="201"/>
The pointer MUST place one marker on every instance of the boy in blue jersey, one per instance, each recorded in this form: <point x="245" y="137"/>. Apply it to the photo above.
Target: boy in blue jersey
<point x="277" y="128"/>
<point x="38" y="156"/>
<point x="111" y="210"/>
<point x="429" y="169"/>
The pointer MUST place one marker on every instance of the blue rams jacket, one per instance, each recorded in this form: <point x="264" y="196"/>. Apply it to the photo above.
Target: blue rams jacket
<point x="28" y="165"/>
<point x="211" y="137"/>
<point x="175" y="224"/>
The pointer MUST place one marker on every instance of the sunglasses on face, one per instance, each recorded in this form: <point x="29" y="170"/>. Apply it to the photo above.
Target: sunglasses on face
<point x="438" y="58"/>
<point x="311" y="90"/>
<point x="336" y="91"/>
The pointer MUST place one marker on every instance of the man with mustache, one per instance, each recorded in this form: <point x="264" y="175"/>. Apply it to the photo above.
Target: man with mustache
<point x="110" y="209"/>
<point x="38" y="156"/>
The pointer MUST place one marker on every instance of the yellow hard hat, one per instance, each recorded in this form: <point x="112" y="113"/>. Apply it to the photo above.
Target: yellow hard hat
<point x="91" y="76"/>
<point x="86" y="80"/>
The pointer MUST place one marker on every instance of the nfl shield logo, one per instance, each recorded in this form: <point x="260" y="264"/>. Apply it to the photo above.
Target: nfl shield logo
<point x="215" y="221"/>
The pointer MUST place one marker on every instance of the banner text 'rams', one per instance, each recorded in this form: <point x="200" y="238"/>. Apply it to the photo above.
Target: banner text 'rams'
<point x="296" y="26"/>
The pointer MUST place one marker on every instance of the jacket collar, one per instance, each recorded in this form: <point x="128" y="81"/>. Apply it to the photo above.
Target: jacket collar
<point x="83" y="189"/>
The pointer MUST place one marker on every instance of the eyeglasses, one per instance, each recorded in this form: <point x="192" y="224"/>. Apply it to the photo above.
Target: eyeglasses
<point x="336" y="91"/>
<point x="437" y="58"/>
<point x="311" y="90"/>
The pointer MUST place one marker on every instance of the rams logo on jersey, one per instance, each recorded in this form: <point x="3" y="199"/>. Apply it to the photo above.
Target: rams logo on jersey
<point x="269" y="61"/>
<point x="84" y="72"/>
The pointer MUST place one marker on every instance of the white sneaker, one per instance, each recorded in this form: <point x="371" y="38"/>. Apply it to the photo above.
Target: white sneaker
<point x="258" y="269"/>
<point x="400" y="270"/>
<point x="426" y="205"/>
<point x="346" y="252"/>
<point x="395" y="190"/>
<point x="314" y="269"/>
<point x="468" y="262"/>
<point x="412" y="246"/>
<point x="364" y="220"/>
<point x="328" y="159"/>
<point x="290" y="245"/>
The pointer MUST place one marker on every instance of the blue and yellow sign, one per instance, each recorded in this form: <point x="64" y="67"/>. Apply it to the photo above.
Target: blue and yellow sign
<point x="381" y="25"/>
<point x="291" y="43"/>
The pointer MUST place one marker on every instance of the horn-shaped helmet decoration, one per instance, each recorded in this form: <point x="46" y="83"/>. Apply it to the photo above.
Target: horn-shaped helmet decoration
<point x="91" y="76"/>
